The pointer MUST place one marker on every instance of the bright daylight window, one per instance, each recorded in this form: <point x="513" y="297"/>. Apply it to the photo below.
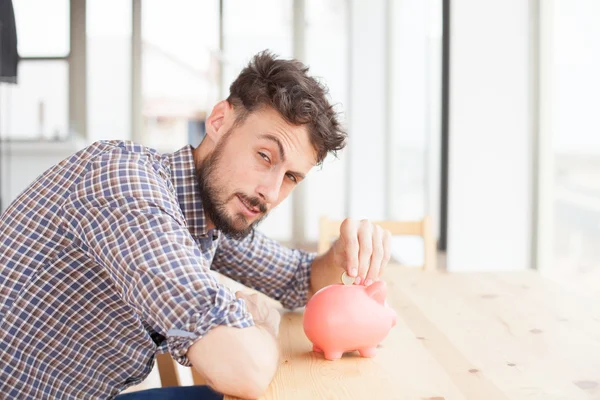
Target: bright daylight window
<point x="37" y="107"/>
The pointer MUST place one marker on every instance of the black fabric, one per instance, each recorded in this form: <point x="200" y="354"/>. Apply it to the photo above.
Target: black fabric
<point x="157" y="338"/>
<point x="174" y="393"/>
<point x="9" y="56"/>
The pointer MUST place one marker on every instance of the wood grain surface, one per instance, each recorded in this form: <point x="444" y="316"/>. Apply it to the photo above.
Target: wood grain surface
<point x="481" y="336"/>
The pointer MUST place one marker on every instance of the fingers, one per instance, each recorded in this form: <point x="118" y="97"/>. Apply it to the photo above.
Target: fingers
<point x="376" y="255"/>
<point x="253" y="303"/>
<point x="263" y="313"/>
<point x="349" y="237"/>
<point x="366" y="249"/>
<point x="365" y="242"/>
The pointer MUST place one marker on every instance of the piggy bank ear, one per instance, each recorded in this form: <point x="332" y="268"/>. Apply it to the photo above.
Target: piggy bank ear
<point x="377" y="291"/>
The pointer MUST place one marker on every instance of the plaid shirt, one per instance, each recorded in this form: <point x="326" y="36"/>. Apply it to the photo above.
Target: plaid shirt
<point x="105" y="262"/>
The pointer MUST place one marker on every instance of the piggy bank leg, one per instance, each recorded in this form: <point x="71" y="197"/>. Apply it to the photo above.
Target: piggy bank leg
<point x="368" y="352"/>
<point x="333" y="355"/>
<point x="316" y="349"/>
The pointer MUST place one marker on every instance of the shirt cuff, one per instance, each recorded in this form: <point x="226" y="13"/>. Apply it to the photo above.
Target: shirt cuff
<point x="227" y="311"/>
<point x="296" y="294"/>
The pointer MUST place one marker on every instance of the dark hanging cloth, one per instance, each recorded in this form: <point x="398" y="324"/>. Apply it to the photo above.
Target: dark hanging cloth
<point x="9" y="57"/>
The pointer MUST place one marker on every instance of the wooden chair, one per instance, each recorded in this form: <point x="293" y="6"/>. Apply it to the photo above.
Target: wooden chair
<point x="330" y="229"/>
<point x="167" y="369"/>
<point x="169" y="376"/>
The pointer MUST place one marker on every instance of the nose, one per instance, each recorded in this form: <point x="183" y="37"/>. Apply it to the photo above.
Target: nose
<point x="269" y="188"/>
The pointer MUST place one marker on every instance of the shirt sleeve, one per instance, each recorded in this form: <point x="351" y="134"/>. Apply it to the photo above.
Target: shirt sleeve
<point x="265" y="265"/>
<point x="125" y="216"/>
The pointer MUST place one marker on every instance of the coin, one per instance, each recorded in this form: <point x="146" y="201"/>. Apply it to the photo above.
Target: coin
<point x="347" y="280"/>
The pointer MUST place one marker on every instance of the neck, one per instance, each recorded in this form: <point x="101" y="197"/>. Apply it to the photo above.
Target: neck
<point x="200" y="154"/>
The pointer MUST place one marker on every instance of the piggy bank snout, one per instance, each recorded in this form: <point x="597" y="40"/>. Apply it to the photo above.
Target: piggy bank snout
<point x="392" y="313"/>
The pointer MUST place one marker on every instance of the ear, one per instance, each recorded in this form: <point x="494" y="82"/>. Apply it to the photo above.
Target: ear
<point x="220" y="115"/>
<point x="377" y="291"/>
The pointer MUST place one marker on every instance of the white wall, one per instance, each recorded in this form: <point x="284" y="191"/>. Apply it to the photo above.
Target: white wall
<point x="490" y="188"/>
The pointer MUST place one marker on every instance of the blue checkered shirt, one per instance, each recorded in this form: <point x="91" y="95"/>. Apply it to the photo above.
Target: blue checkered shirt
<point x="105" y="261"/>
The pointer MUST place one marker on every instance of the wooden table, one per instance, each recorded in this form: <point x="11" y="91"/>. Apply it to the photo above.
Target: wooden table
<point x="480" y="336"/>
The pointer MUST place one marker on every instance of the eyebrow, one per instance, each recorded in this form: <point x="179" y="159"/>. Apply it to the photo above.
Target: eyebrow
<point x="276" y="140"/>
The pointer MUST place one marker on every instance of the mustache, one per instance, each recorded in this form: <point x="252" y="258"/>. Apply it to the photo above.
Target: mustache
<point x="253" y="202"/>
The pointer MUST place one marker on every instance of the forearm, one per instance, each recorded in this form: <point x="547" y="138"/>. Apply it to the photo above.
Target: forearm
<point x="237" y="362"/>
<point x="279" y="272"/>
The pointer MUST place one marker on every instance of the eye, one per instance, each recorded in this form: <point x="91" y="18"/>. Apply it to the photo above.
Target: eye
<point x="264" y="157"/>
<point x="292" y="177"/>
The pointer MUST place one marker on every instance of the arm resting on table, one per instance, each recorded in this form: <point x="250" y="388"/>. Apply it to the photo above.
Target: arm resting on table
<point x="237" y="362"/>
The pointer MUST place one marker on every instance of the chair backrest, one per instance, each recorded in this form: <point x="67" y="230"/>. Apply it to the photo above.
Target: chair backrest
<point x="329" y="230"/>
<point x="169" y="376"/>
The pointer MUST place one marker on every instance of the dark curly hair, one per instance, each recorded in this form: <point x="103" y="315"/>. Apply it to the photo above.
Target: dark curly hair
<point x="300" y="99"/>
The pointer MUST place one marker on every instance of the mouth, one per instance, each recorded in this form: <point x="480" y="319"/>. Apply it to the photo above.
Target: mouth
<point x="247" y="208"/>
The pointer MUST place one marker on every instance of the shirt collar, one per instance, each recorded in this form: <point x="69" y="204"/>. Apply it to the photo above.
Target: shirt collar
<point x="183" y="176"/>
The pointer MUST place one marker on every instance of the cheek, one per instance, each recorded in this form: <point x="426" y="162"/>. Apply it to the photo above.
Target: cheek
<point x="241" y="173"/>
<point x="285" y="191"/>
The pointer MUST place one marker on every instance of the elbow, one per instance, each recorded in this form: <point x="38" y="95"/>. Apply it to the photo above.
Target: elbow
<point x="247" y="380"/>
<point x="257" y="385"/>
<point x="236" y="362"/>
<point x="252" y="389"/>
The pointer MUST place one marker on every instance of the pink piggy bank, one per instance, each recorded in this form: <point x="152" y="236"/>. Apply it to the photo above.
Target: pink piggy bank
<point x="340" y="318"/>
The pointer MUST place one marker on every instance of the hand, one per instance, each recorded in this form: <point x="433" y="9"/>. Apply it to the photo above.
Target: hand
<point x="362" y="250"/>
<point x="264" y="314"/>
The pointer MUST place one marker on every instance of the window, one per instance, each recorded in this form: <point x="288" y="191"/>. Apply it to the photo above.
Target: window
<point x="180" y="70"/>
<point x="253" y="26"/>
<point x="574" y="86"/>
<point x="42" y="27"/>
<point x="108" y="30"/>
<point x="37" y="106"/>
<point x="415" y="101"/>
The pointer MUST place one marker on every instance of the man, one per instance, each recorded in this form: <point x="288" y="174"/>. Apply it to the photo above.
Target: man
<point x="105" y="259"/>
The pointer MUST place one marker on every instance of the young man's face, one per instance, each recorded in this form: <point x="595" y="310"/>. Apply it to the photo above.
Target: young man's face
<point x="252" y="169"/>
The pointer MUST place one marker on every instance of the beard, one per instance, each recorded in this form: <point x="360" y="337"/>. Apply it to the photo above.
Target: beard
<point x="214" y="197"/>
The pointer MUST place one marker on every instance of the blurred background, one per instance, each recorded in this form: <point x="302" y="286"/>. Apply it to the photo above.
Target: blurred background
<point x="481" y="114"/>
